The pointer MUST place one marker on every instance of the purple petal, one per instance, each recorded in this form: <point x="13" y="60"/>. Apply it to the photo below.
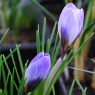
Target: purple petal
<point x="70" y="5"/>
<point x="79" y="13"/>
<point x="68" y="25"/>
<point x="40" y="55"/>
<point x="38" y="70"/>
<point x="80" y="17"/>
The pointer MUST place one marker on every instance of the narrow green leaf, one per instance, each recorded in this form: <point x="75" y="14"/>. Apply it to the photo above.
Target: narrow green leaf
<point x="52" y="35"/>
<point x="80" y="48"/>
<point x="66" y="1"/>
<point x="71" y="88"/>
<point x="84" y="92"/>
<point x="11" y="86"/>
<point x="43" y="34"/>
<point x="43" y="9"/>
<point x="26" y="64"/>
<point x="53" y="90"/>
<point x="79" y="85"/>
<point x="12" y="53"/>
<point x="93" y="60"/>
<point x="1" y="91"/>
<point x="38" y="40"/>
<point x="0" y="67"/>
<point x="20" y="59"/>
<point x="3" y="75"/>
<point x="55" y="54"/>
<point x="5" y="92"/>
<point x="58" y="69"/>
<point x="88" y="14"/>
<point x="21" y="87"/>
<point x="6" y="64"/>
<point x="39" y="88"/>
<point x="54" y="74"/>
<point x="1" y="40"/>
<point x="90" y="27"/>
<point x="81" y="70"/>
<point x="15" y="68"/>
<point x="54" y="48"/>
<point x="47" y="46"/>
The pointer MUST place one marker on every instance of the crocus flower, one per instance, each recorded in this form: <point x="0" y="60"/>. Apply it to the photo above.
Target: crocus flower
<point x="70" y="25"/>
<point x="37" y="70"/>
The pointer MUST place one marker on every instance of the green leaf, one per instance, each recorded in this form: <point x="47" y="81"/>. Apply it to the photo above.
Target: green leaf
<point x="81" y="70"/>
<point x="84" y="92"/>
<point x="56" y="45"/>
<point x="47" y="46"/>
<point x="71" y="88"/>
<point x="11" y="86"/>
<point x="38" y="40"/>
<point x="55" y="54"/>
<point x="80" y="48"/>
<point x="58" y="69"/>
<point x="1" y="91"/>
<point x="79" y="85"/>
<point x="6" y="64"/>
<point x="15" y="68"/>
<point x="5" y="92"/>
<point x="43" y="34"/>
<point x="52" y="35"/>
<point x="12" y="52"/>
<point x="90" y="27"/>
<point x="66" y="1"/>
<point x="53" y="90"/>
<point x="54" y="74"/>
<point x="1" y="40"/>
<point x="20" y="59"/>
<point x="88" y="14"/>
<point x="21" y="88"/>
<point x="0" y="66"/>
<point x="44" y="10"/>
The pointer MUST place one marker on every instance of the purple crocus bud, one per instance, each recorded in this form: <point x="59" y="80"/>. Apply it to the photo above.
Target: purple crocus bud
<point x="37" y="70"/>
<point x="70" y="25"/>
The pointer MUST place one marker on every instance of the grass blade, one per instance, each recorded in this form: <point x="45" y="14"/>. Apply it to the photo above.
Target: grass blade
<point x="43" y="34"/>
<point x="54" y="48"/>
<point x="5" y="92"/>
<point x="47" y="46"/>
<point x="38" y="40"/>
<point x="81" y="70"/>
<point x="52" y="34"/>
<point x="12" y="53"/>
<point x="15" y="68"/>
<point x="87" y="31"/>
<point x="20" y="59"/>
<point x="58" y="69"/>
<point x="71" y="88"/>
<point x="6" y="64"/>
<point x="79" y="85"/>
<point x="21" y="88"/>
<point x="53" y="90"/>
<point x="4" y="36"/>
<point x="43" y="9"/>
<point x="55" y="54"/>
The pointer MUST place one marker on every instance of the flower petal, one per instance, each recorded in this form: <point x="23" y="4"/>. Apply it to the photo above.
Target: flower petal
<point x="68" y="25"/>
<point x="70" y="5"/>
<point x="40" y="55"/>
<point x="80" y="17"/>
<point x="38" y="70"/>
<point x="79" y="13"/>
